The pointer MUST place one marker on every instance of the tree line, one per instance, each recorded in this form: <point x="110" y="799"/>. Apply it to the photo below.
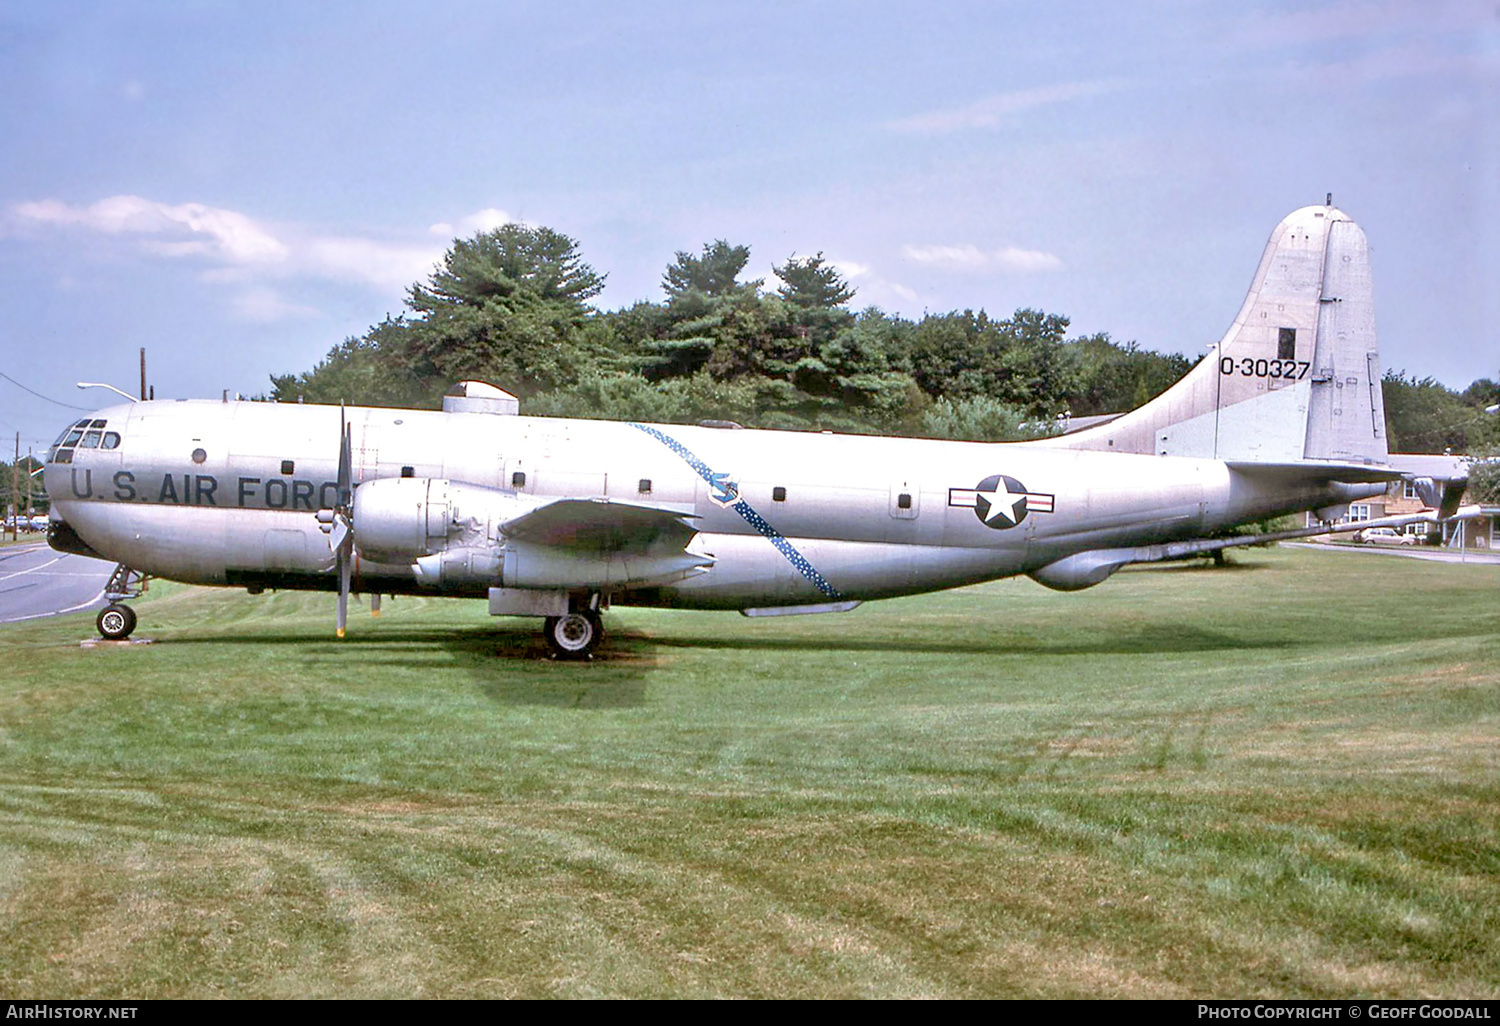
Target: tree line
<point x="513" y="306"/>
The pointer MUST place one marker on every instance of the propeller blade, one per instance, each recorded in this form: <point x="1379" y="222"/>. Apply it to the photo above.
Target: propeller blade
<point x="346" y="460"/>
<point x="339" y="532"/>
<point x="340" y="524"/>
<point x="344" y="573"/>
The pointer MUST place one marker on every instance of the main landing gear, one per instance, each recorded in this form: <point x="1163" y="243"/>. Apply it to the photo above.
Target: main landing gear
<point x="574" y="635"/>
<point x="116" y="621"/>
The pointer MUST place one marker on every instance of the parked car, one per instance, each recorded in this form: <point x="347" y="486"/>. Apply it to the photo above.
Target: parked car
<point x="1386" y="536"/>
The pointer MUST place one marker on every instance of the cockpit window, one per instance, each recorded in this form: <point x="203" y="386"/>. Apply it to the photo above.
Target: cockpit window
<point x="88" y="433"/>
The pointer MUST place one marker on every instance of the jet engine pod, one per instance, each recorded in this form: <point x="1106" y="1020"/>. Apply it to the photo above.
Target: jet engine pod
<point x="1082" y="569"/>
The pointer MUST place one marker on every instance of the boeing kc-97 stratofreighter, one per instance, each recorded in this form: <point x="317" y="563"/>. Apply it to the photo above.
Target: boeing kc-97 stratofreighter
<point x="559" y="519"/>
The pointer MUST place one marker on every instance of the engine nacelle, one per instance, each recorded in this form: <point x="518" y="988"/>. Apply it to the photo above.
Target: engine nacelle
<point x="403" y="519"/>
<point x="451" y="535"/>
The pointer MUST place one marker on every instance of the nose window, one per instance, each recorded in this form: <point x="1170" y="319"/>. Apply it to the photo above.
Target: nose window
<point x="84" y="434"/>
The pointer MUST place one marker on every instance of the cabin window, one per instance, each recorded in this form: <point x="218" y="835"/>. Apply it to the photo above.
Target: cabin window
<point x="97" y="423"/>
<point x="1286" y="344"/>
<point x="199" y="455"/>
<point x="903" y="501"/>
<point x="644" y="487"/>
<point x="778" y="494"/>
<point x="111" y="440"/>
<point x="408" y="471"/>
<point x="73" y="437"/>
<point x="288" y="468"/>
<point x="90" y="440"/>
<point x="518" y="479"/>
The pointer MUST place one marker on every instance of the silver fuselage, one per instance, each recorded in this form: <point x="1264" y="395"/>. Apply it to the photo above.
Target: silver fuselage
<point x="225" y="493"/>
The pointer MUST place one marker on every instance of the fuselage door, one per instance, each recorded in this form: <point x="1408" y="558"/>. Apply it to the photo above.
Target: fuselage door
<point x="906" y="500"/>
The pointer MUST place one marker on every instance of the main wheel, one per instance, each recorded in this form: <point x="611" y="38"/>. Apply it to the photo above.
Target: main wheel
<point x="574" y="636"/>
<point x="116" y="622"/>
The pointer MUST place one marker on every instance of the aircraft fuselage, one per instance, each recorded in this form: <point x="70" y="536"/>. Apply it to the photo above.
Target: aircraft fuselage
<point x="225" y="493"/>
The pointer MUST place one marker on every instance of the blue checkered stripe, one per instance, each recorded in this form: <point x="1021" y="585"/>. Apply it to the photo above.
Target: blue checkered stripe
<point x="748" y="513"/>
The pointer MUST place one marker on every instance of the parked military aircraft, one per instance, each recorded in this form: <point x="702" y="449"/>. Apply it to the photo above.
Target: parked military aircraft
<point x="559" y="519"/>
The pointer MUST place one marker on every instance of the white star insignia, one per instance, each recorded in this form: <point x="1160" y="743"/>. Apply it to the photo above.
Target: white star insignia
<point x="1004" y="503"/>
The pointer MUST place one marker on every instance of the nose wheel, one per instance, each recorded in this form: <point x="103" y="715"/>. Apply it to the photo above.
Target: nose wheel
<point x="116" y="623"/>
<point x="575" y="635"/>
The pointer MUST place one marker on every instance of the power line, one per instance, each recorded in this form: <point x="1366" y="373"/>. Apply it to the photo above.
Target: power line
<point x="39" y="395"/>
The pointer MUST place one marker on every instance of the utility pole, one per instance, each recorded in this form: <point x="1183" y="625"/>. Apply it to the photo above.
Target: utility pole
<point x="15" y="493"/>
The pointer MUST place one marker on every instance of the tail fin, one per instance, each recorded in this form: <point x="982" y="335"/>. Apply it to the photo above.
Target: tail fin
<point x="1297" y="376"/>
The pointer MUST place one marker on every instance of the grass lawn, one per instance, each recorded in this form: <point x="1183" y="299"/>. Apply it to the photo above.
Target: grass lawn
<point x="1277" y="779"/>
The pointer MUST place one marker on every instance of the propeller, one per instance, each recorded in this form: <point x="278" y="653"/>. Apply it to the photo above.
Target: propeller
<point x="338" y="522"/>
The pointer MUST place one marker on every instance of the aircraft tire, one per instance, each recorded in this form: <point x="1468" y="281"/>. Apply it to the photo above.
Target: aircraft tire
<point x="575" y="635"/>
<point x="116" y="623"/>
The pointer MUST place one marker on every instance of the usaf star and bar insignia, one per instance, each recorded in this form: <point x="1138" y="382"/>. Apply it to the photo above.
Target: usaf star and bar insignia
<point x="1000" y="501"/>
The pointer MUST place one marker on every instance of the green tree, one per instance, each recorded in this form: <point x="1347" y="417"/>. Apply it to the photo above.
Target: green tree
<point x="1113" y="378"/>
<point x="981" y="419"/>
<point x="368" y="369"/>
<point x="508" y="305"/>
<point x="511" y="261"/>
<point x="812" y="283"/>
<point x="715" y="273"/>
<point x="1423" y="415"/>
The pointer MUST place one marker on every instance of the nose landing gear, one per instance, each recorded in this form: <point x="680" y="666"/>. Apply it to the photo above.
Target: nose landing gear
<point x="116" y="621"/>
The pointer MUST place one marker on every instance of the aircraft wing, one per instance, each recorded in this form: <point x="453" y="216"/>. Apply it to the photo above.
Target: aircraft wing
<point x="603" y="526"/>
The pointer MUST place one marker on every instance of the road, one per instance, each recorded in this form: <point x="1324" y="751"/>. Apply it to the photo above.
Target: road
<point x="35" y="581"/>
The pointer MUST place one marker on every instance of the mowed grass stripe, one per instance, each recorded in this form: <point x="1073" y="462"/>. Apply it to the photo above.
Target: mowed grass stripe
<point x="1273" y="779"/>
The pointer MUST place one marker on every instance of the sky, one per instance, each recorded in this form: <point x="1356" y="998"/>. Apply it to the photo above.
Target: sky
<point x="238" y="187"/>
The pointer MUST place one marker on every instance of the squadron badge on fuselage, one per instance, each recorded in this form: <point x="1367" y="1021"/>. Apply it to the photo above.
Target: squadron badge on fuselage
<point x="722" y="490"/>
<point x="1000" y="501"/>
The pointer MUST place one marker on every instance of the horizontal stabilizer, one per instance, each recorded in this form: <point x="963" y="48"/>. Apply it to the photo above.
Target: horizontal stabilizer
<point x="602" y="526"/>
<point x="1313" y="471"/>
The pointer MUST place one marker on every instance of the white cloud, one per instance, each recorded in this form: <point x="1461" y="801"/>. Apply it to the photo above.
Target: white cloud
<point x="969" y="257"/>
<point x="199" y="229"/>
<point x="484" y="220"/>
<point x="263" y="306"/>
<point x="993" y="111"/>
<point x="387" y="266"/>
<point x="235" y="249"/>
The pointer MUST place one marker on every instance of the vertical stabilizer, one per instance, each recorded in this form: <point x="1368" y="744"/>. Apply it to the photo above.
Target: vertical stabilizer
<point x="1297" y="375"/>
